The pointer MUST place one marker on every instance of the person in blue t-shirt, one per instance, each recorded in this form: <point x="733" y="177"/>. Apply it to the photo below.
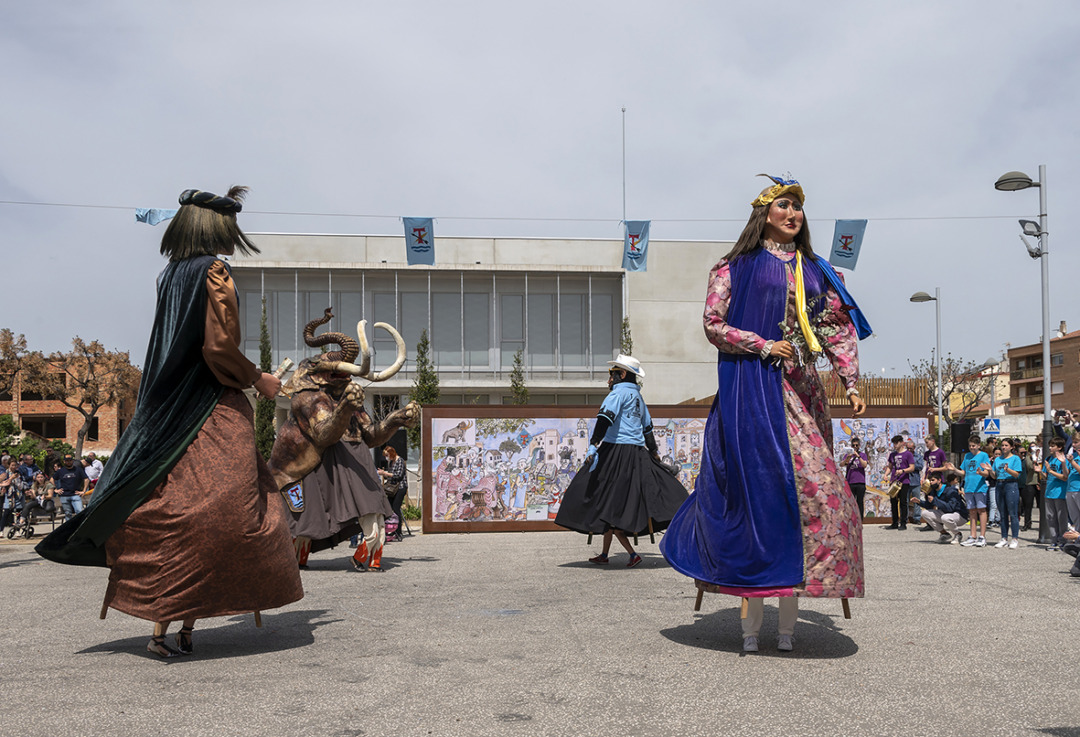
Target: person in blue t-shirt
<point x="974" y="469"/>
<point x="1072" y="484"/>
<point x="623" y="488"/>
<point x="1056" y="508"/>
<point x="1008" y="469"/>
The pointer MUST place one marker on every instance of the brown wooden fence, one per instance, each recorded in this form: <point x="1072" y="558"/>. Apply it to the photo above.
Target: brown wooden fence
<point x="879" y="392"/>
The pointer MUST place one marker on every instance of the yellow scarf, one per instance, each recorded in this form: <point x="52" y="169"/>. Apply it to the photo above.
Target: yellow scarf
<point x="800" y="306"/>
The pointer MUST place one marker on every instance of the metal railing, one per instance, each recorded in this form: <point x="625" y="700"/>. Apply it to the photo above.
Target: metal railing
<point x="1028" y="373"/>
<point x="880" y="392"/>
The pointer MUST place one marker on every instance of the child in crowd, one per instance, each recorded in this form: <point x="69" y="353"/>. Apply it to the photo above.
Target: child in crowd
<point x="1056" y="509"/>
<point x="1008" y="469"/>
<point x="1072" y="485"/>
<point x="972" y="468"/>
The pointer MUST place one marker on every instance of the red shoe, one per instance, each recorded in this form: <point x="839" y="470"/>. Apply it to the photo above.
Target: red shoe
<point x="600" y="560"/>
<point x="634" y="560"/>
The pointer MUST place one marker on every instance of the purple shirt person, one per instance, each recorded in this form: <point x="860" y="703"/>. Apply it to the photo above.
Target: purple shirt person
<point x="934" y="459"/>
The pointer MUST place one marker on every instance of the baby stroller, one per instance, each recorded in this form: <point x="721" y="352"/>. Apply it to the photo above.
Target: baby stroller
<point x="392" y="525"/>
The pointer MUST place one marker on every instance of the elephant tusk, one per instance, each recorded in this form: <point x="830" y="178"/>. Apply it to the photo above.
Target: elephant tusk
<point x="341" y="367"/>
<point x="365" y="350"/>
<point x="398" y="363"/>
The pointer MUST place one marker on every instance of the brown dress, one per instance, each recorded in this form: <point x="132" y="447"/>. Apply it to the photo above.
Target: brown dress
<point x="213" y="537"/>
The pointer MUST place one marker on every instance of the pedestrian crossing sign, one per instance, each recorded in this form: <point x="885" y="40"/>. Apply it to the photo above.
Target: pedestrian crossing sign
<point x="991" y="426"/>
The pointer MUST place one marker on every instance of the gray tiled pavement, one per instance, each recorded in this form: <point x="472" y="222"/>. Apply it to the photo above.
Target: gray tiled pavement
<point x="515" y="634"/>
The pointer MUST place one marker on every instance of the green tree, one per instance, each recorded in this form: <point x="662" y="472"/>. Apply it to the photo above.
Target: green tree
<point x="519" y="393"/>
<point x="264" y="408"/>
<point x="425" y="389"/>
<point x="12" y="352"/>
<point x="626" y="340"/>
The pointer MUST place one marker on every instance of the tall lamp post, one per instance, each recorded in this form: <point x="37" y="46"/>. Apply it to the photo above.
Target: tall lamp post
<point x="1011" y="182"/>
<point x="936" y="299"/>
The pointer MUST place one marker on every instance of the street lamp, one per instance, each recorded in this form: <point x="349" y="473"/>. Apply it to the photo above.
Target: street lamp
<point x="1011" y="182"/>
<point x="936" y="299"/>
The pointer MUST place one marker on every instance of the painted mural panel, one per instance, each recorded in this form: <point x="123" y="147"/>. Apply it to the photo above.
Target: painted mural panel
<point x="876" y="435"/>
<point x="515" y="469"/>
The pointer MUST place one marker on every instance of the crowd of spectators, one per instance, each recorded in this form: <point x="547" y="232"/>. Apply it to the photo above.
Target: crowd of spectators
<point x="28" y="491"/>
<point x="995" y="487"/>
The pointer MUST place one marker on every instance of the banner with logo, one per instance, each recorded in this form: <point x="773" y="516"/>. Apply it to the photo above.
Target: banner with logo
<point x="636" y="245"/>
<point x="846" y="242"/>
<point x="420" y="241"/>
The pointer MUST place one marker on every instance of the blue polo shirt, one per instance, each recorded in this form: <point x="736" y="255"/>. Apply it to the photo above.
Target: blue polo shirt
<point x="628" y="414"/>
<point x="973" y="482"/>
<point x="1072" y="484"/>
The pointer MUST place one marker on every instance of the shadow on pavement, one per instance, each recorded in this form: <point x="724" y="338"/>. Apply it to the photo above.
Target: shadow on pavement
<point x="816" y="634"/>
<point x="345" y="563"/>
<point x="618" y="561"/>
<point x="284" y="631"/>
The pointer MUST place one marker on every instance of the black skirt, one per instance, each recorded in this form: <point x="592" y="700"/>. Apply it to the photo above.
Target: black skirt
<point x="627" y="489"/>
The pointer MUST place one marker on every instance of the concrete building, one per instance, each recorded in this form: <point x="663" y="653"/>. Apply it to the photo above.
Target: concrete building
<point x="560" y="301"/>
<point x="1026" y="374"/>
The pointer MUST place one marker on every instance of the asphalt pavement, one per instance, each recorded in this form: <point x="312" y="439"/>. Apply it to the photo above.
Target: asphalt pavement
<point x="517" y="634"/>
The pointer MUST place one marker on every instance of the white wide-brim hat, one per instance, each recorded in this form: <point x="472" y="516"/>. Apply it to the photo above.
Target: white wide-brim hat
<point x="629" y="363"/>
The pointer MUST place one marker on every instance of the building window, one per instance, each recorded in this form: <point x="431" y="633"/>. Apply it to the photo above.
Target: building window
<point x="511" y="327"/>
<point x="47" y="426"/>
<point x="1057" y="387"/>
<point x="1057" y="359"/>
<point x="92" y="433"/>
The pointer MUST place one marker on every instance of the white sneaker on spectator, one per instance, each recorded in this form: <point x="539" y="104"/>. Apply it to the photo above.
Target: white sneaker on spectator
<point x="749" y="644"/>
<point x="1002" y="543"/>
<point x="980" y="542"/>
<point x="785" y="643"/>
<point x="1014" y="544"/>
<point x="969" y="542"/>
<point x="957" y="538"/>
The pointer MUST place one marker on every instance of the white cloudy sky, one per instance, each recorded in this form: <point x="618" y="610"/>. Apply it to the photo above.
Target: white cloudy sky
<point x="903" y="113"/>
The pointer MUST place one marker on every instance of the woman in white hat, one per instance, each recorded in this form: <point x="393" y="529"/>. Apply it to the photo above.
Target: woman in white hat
<point x="624" y="489"/>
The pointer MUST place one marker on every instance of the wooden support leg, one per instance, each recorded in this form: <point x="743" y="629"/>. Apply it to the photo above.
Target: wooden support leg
<point x="589" y="541"/>
<point x="697" y="601"/>
<point x="635" y="541"/>
<point x="651" y="538"/>
<point x="744" y="611"/>
<point x="104" y="608"/>
<point x="258" y="618"/>
<point x="847" y="608"/>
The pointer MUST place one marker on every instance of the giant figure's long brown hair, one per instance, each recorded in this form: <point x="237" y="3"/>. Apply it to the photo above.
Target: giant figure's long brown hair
<point x="204" y="231"/>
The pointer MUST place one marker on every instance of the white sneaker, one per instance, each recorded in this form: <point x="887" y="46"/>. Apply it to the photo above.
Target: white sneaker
<point x="980" y="542"/>
<point x="785" y="643"/>
<point x="969" y="542"/>
<point x="957" y="539"/>
<point x="749" y="644"/>
<point x="1002" y="543"/>
<point x="1014" y="544"/>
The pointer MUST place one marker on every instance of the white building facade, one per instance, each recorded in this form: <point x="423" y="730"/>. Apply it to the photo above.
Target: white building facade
<point x="560" y="301"/>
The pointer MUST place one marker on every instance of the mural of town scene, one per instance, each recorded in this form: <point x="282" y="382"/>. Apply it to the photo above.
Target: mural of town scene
<point x="876" y="436"/>
<point x="508" y="469"/>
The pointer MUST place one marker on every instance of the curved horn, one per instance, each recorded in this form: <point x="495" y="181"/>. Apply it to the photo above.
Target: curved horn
<point x="340" y="367"/>
<point x="398" y="363"/>
<point x="349" y="348"/>
<point x="365" y="351"/>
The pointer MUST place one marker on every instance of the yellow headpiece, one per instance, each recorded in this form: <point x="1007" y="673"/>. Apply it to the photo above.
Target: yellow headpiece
<point x="781" y="186"/>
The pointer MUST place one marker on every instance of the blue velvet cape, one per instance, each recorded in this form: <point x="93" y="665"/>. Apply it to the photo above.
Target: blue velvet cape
<point x="178" y="392"/>
<point x="741" y="526"/>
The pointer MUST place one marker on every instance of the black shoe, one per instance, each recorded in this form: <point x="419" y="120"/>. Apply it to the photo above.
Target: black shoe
<point x="902" y="527"/>
<point x="183" y="641"/>
<point x="890" y="527"/>
<point x="925" y="528"/>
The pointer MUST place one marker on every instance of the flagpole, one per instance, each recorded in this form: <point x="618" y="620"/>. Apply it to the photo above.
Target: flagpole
<point x="625" y="298"/>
